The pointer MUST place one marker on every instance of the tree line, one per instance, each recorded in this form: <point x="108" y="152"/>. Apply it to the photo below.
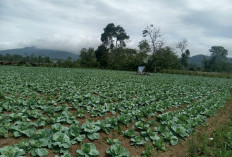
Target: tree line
<point x="113" y="53"/>
<point x="151" y="52"/>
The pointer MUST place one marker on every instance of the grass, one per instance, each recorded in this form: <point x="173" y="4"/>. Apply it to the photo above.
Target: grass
<point x="218" y="144"/>
<point x="197" y="73"/>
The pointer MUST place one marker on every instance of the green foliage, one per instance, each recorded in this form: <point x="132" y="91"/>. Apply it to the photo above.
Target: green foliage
<point x="26" y="128"/>
<point x="60" y="142"/>
<point x="88" y="58"/>
<point x="159" y="145"/>
<point x="102" y="56"/>
<point x="217" y="144"/>
<point x="114" y="33"/>
<point x="148" y="151"/>
<point x="164" y="58"/>
<point x="10" y="151"/>
<point x="50" y="97"/>
<point x="116" y="150"/>
<point x="1" y="96"/>
<point x="137" y="141"/>
<point x="197" y="73"/>
<point x="217" y="61"/>
<point x="75" y="134"/>
<point x="129" y="133"/>
<point x="91" y="129"/>
<point x="144" y="46"/>
<point x="184" y="58"/>
<point x="218" y="52"/>
<point x="41" y="152"/>
<point x="88" y="150"/>
<point x="141" y="125"/>
<point x="113" y="141"/>
<point x="123" y="58"/>
<point x="104" y="126"/>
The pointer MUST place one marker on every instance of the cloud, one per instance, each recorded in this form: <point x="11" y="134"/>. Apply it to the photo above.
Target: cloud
<point x="74" y="24"/>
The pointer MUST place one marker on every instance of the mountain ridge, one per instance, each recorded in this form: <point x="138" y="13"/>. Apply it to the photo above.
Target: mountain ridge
<point x="197" y="59"/>
<point x="28" y="51"/>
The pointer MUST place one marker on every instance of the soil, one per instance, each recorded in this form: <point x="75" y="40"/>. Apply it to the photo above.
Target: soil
<point x="9" y="141"/>
<point x="221" y="117"/>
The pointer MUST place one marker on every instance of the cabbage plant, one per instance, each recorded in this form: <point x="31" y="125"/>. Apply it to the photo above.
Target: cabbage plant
<point x="88" y="150"/>
<point x="91" y="128"/>
<point x="116" y="150"/>
<point x="10" y="151"/>
<point x="137" y="141"/>
<point x="75" y="134"/>
<point x="60" y="142"/>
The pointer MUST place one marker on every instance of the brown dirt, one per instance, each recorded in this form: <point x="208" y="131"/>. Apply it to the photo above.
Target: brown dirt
<point x="9" y="141"/>
<point x="95" y="94"/>
<point x="221" y="117"/>
<point x="6" y="112"/>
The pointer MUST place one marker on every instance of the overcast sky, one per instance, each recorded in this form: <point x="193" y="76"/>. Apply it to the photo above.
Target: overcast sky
<point x="74" y="24"/>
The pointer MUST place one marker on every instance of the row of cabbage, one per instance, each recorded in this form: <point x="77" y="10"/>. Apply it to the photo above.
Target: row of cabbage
<point x="32" y="99"/>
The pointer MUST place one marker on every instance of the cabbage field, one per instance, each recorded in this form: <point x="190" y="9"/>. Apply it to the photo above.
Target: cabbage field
<point x="83" y="112"/>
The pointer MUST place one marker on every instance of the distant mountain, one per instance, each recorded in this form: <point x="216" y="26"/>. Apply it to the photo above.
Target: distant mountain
<point x="28" y="51"/>
<point x="197" y="59"/>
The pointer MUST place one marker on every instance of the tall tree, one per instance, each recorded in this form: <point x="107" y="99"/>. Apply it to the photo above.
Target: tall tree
<point x="120" y="36"/>
<point x="155" y="37"/>
<point x="184" y="58"/>
<point x="182" y="45"/>
<point x="218" y="52"/>
<point x="217" y="60"/>
<point x="114" y="36"/>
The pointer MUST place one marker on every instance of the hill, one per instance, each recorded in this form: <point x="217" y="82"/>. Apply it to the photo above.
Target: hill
<point x="28" y="51"/>
<point x="197" y="59"/>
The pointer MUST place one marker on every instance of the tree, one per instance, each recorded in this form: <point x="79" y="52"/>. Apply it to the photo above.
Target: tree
<point x="47" y="60"/>
<point x="102" y="56"/>
<point x="155" y="37"/>
<point x="182" y="45"/>
<point x="122" y="59"/>
<point x="142" y="54"/>
<point x="218" y="52"/>
<point x="217" y="60"/>
<point x="144" y="46"/>
<point x="88" y="58"/>
<point x="121" y="36"/>
<point x="184" y="58"/>
<point x="114" y="36"/>
<point x="68" y="62"/>
<point x="164" y="58"/>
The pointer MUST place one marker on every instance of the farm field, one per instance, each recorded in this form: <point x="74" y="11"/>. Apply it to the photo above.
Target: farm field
<point x="84" y="112"/>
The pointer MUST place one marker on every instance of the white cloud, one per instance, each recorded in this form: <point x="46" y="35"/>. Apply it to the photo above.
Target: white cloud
<point x="74" y="24"/>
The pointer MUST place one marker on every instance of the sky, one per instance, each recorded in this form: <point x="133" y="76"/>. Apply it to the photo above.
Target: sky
<point x="74" y="24"/>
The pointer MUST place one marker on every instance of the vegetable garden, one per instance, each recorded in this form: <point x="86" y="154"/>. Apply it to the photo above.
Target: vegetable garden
<point x="84" y="112"/>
